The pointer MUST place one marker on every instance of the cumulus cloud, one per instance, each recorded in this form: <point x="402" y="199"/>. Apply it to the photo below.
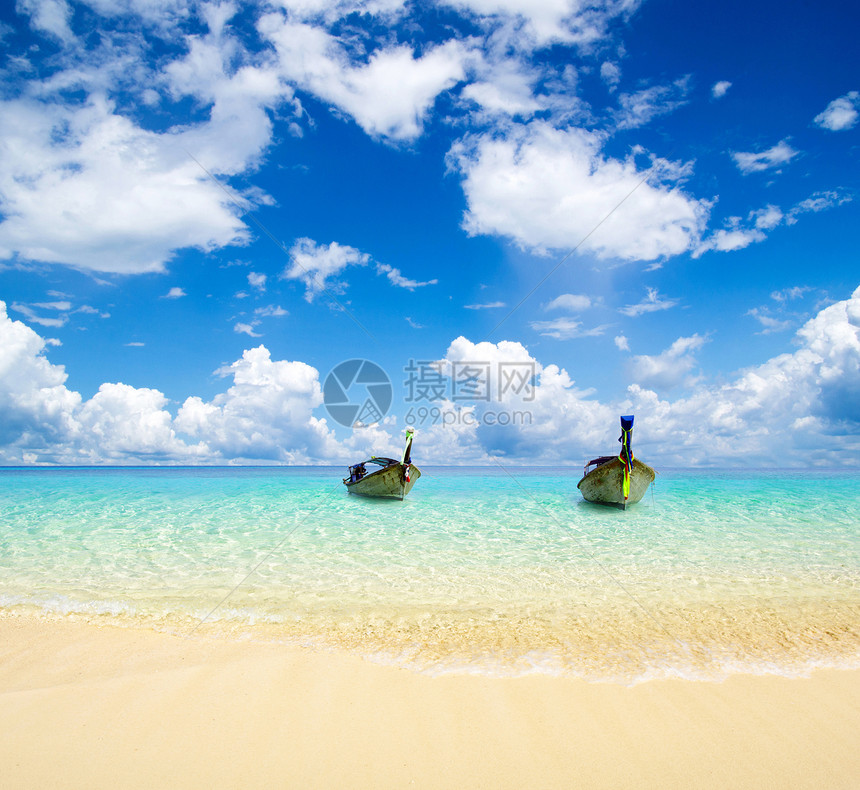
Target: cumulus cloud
<point x="257" y="281"/>
<point x="795" y="409"/>
<point x="265" y="415"/>
<point x="771" y="159"/>
<point x="62" y="201"/>
<point x="84" y="184"/>
<point x="241" y="328"/>
<point x="534" y="410"/>
<point x="740" y="233"/>
<point x="502" y="86"/>
<point x="730" y="239"/>
<point x="545" y="188"/>
<point x="720" y="89"/>
<point x="536" y="23"/>
<point x="671" y="367"/>
<point x="49" y="16"/>
<point x="388" y="96"/>
<point x="34" y="401"/>
<point x="317" y="264"/>
<point x="841" y="113"/>
<point x="610" y="73"/>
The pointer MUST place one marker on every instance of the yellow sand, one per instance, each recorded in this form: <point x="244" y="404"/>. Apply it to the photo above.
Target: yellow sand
<point x="89" y="707"/>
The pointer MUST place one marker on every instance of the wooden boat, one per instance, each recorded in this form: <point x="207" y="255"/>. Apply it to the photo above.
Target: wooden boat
<point x="390" y="478"/>
<point x="617" y="479"/>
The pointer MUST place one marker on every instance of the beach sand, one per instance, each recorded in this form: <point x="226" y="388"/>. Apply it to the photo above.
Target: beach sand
<point x="83" y="706"/>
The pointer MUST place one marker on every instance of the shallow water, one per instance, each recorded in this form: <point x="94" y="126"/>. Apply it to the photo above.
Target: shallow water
<point x="480" y="570"/>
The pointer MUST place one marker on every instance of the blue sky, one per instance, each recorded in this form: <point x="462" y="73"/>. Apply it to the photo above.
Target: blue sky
<point x="649" y="206"/>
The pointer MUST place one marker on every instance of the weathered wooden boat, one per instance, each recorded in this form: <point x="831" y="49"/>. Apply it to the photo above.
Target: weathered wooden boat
<point x="619" y="480"/>
<point x="384" y="477"/>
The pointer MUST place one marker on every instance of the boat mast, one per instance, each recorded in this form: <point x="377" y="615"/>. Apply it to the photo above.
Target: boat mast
<point x="407" y="451"/>
<point x="626" y="455"/>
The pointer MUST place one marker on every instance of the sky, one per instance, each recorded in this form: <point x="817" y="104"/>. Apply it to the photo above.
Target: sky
<point x="283" y="232"/>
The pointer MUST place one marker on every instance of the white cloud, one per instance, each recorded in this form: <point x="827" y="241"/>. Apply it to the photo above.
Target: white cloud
<point x="120" y="422"/>
<point x="34" y="401"/>
<point x="789" y="294"/>
<point x="720" y="89"/>
<point x="315" y="264"/>
<point x="398" y="280"/>
<point x="729" y="240"/>
<point x="574" y="303"/>
<point x="49" y="16"/>
<point x="622" y="343"/>
<point x="536" y="23"/>
<point x="737" y="235"/>
<point x="769" y="322"/>
<point x="796" y="409"/>
<point x="485" y="306"/>
<point x="63" y="202"/>
<point x="767" y="218"/>
<point x="246" y="329"/>
<point x="565" y="328"/>
<point x="818" y="201"/>
<point x="45" y="421"/>
<point x="558" y="420"/>
<point x="638" y="109"/>
<point x="84" y="185"/>
<point x="670" y="368"/>
<point x="175" y="293"/>
<point x="388" y="96"/>
<point x="550" y="189"/>
<point x="270" y="311"/>
<point x="610" y="73"/>
<point x="42" y="320"/>
<point x="652" y="303"/>
<point x="841" y="113"/>
<point x="773" y="158"/>
<point x="265" y="414"/>
<point x="501" y="85"/>
<point x="257" y="281"/>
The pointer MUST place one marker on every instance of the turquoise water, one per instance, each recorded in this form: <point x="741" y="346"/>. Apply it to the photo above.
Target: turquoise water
<point x="479" y="570"/>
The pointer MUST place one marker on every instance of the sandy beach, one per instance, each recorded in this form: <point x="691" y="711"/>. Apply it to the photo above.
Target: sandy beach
<point x="85" y="706"/>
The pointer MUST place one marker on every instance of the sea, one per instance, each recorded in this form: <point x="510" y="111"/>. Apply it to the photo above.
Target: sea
<point x="497" y="571"/>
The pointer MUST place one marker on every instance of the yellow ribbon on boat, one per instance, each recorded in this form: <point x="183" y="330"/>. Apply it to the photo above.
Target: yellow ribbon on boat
<point x="626" y="458"/>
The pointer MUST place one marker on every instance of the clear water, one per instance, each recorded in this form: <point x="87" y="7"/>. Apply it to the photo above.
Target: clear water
<point x="478" y="570"/>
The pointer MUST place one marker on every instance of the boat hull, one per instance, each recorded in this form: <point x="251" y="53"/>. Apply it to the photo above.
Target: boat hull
<point x="604" y="485"/>
<point x="388" y="482"/>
